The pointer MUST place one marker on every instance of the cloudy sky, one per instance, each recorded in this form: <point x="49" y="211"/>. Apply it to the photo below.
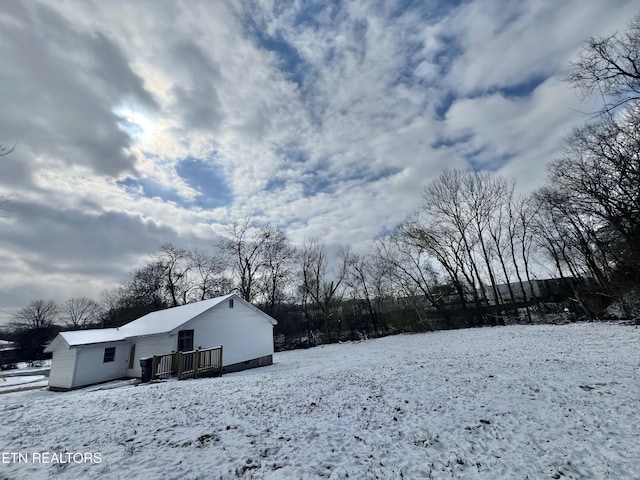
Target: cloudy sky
<point x="139" y="123"/>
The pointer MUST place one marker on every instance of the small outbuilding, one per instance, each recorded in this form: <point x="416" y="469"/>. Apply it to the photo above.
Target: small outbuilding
<point x="86" y="357"/>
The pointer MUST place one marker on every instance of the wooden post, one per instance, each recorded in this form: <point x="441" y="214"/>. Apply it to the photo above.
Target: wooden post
<point x="154" y="367"/>
<point x="220" y="360"/>
<point x="174" y="363"/>
<point x="180" y="365"/>
<point x="196" y="363"/>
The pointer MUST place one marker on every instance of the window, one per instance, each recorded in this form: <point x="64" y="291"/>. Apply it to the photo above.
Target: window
<point x="109" y="354"/>
<point x="231" y="303"/>
<point x="185" y="340"/>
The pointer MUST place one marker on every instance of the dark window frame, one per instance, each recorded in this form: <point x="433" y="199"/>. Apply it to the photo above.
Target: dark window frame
<point x="109" y="355"/>
<point x="185" y="339"/>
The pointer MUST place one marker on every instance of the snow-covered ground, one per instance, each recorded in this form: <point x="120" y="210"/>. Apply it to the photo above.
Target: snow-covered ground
<point x="24" y="378"/>
<point x="12" y="381"/>
<point x="517" y="402"/>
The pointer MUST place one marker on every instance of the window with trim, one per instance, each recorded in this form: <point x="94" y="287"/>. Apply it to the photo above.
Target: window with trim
<point x="109" y="354"/>
<point x="185" y="340"/>
<point x="231" y="303"/>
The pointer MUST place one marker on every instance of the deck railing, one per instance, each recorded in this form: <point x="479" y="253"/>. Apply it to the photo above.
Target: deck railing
<point x="197" y="363"/>
<point x="164" y="366"/>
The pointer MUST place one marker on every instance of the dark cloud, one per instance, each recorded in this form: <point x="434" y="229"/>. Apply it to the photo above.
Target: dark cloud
<point x="14" y="168"/>
<point x="62" y="253"/>
<point x="60" y="86"/>
<point x="63" y="240"/>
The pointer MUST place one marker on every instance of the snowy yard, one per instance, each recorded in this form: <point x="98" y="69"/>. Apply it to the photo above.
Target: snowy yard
<point x="518" y="402"/>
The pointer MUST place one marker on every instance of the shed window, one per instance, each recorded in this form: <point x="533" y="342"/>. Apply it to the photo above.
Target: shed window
<point x="231" y="303"/>
<point x="185" y="340"/>
<point x="109" y="354"/>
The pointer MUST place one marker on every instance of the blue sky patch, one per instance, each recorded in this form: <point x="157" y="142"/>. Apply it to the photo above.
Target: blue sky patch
<point x="448" y="142"/>
<point x="484" y="160"/>
<point x="276" y="184"/>
<point x="292" y="152"/>
<point x="365" y="174"/>
<point x="290" y="63"/>
<point x="451" y="49"/>
<point x="431" y="10"/>
<point x="316" y="182"/>
<point x="321" y="180"/>
<point x="200" y="175"/>
<point x="208" y="179"/>
<point x="308" y="15"/>
<point x="522" y="89"/>
<point x="444" y="104"/>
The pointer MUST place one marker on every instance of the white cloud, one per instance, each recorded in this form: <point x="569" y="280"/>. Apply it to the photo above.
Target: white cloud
<point x="326" y="118"/>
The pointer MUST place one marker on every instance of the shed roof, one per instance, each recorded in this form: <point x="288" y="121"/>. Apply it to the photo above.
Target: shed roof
<point x="98" y="335"/>
<point x="162" y="321"/>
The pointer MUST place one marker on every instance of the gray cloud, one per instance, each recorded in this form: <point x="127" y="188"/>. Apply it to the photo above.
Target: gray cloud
<point x="197" y="99"/>
<point x="60" y="85"/>
<point x="73" y="241"/>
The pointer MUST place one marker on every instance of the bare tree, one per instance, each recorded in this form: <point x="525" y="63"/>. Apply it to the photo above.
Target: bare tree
<point x="33" y="324"/>
<point x="463" y="202"/>
<point x="410" y="266"/>
<point x="485" y="196"/>
<point x="609" y="67"/>
<point x="323" y="285"/>
<point x="176" y="264"/>
<point x="522" y="213"/>
<point x="591" y="209"/>
<point x="572" y="241"/>
<point x="595" y="185"/>
<point x="208" y="276"/>
<point x="173" y="276"/>
<point x="364" y="282"/>
<point x="80" y="312"/>
<point x="245" y="243"/>
<point x="441" y="243"/>
<point x="277" y="265"/>
<point x="141" y="293"/>
<point x="144" y="289"/>
<point x="468" y="222"/>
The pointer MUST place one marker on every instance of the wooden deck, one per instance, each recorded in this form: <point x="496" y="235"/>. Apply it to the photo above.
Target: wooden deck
<point x="193" y="364"/>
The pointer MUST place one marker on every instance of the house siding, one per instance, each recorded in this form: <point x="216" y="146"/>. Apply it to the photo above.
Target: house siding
<point x="62" y="368"/>
<point x="245" y="333"/>
<point x="91" y="368"/>
<point x="148" y="347"/>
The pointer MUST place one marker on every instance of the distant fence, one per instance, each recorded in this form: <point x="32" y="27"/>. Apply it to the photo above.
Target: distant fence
<point x="194" y="364"/>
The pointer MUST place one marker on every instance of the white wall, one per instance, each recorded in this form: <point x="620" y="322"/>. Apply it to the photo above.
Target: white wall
<point x="148" y="347"/>
<point x="90" y="367"/>
<point x="62" y="366"/>
<point x="244" y="333"/>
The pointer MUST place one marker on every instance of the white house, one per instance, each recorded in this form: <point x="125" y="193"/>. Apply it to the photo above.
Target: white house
<point x="85" y="357"/>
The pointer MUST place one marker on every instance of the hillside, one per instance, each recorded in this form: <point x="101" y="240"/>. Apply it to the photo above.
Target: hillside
<point x="507" y="402"/>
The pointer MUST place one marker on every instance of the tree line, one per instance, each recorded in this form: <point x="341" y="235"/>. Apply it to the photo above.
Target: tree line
<point x="466" y="256"/>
